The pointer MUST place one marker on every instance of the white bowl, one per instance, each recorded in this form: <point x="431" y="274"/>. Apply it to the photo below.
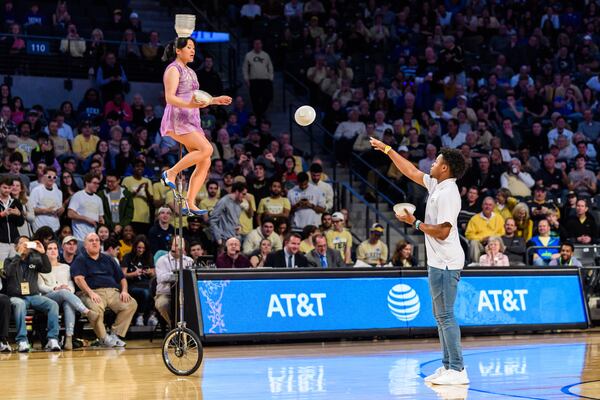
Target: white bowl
<point x="401" y="208"/>
<point x="185" y="24"/>
<point x="305" y="115"/>
<point x="202" y="96"/>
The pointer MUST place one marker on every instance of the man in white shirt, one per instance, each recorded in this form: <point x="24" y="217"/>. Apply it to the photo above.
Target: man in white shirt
<point x="345" y="135"/>
<point x="165" y="267"/>
<point x="46" y="201"/>
<point x="560" y="130"/>
<point x="316" y="171"/>
<point x="307" y="201"/>
<point x="85" y="208"/>
<point x="381" y="125"/>
<point x="445" y="256"/>
<point x="453" y="138"/>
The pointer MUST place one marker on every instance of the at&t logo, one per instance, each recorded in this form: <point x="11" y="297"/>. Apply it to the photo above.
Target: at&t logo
<point x="404" y="302"/>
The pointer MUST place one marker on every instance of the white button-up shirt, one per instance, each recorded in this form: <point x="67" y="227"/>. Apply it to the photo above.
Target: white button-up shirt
<point x="443" y="205"/>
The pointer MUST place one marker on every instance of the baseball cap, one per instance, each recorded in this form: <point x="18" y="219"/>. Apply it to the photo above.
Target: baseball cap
<point x="462" y="97"/>
<point x="587" y="37"/>
<point x="68" y="239"/>
<point x="403" y="148"/>
<point x="133" y="15"/>
<point x="337" y="216"/>
<point x="377" y="228"/>
<point x="12" y="141"/>
<point x="539" y="186"/>
<point x="571" y="194"/>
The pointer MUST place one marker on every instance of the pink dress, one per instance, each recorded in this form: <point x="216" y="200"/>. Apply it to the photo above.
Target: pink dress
<point x="177" y="119"/>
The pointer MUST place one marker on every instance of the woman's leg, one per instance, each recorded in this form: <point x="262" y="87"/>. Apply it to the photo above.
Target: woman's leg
<point x="200" y="151"/>
<point x="194" y="142"/>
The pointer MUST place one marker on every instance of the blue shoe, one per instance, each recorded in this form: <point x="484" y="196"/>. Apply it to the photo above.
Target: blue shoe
<point x="168" y="182"/>
<point x="187" y="211"/>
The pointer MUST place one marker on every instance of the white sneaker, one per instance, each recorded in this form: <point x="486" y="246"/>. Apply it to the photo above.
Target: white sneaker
<point x="52" y="345"/>
<point x="452" y="377"/>
<point x="117" y="341"/>
<point x="5" y="347"/>
<point x="108" y="341"/>
<point x="435" y="374"/>
<point x="23" y="347"/>
<point x="139" y="321"/>
<point x="152" y="321"/>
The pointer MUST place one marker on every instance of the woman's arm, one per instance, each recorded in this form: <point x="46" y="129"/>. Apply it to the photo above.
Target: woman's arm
<point x="171" y="82"/>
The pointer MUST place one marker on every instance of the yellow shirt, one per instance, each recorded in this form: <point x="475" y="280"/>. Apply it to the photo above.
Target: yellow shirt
<point x="245" y="221"/>
<point x="339" y="241"/>
<point x="372" y="254"/>
<point x="160" y="191"/>
<point x="208" y="203"/>
<point x="273" y="206"/>
<point x="85" y="147"/>
<point x="141" y="210"/>
<point x="306" y="247"/>
<point x="124" y="249"/>
<point x="479" y="228"/>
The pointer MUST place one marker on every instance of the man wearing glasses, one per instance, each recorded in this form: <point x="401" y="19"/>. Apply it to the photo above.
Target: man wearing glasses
<point x="85" y="208"/>
<point x="46" y="200"/>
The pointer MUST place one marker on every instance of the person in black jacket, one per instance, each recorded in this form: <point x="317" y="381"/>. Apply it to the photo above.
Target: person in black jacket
<point x="21" y="279"/>
<point x="289" y="256"/>
<point x="162" y="231"/>
<point x="4" y="320"/>
<point x="11" y="217"/>
<point x="581" y="228"/>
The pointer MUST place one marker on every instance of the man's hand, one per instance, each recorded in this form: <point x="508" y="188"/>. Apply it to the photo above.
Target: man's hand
<point x="377" y="144"/>
<point x="95" y="298"/>
<point x="40" y="247"/>
<point x="125" y="297"/>
<point x="406" y="218"/>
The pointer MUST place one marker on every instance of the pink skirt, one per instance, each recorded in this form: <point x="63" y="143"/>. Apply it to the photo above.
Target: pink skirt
<point x="180" y="120"/>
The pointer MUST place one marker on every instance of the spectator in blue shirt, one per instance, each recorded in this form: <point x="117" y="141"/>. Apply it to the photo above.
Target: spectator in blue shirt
<point x="104" y="286"/>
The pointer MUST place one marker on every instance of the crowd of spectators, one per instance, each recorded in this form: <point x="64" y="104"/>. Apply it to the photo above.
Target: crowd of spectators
<point x="85" y="34"/>
<point x="515" y="92"/>
<point x="513" y="85"/>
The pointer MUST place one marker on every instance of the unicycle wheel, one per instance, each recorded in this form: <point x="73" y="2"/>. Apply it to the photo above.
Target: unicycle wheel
<point x="182" y="351"/>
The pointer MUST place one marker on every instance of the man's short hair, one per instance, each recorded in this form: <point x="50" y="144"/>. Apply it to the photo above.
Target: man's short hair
<point x="50" y="169"/>
<point x="318" y="236"/>
<point x="267" y="219"/>
<point x="291" y="235"/>
<point x="568" y="244"/>
<point x="211" y="182"/>
<point x="16" y="156"/>
<point x="302" y="177"/>
<point x="238" y="187"/>
<point x="87" y="178"/>
<point x="7" y="180"/>
<point x="111" y="243"/>
<point x="455" y="161"/>
<point x="316" y="168"/>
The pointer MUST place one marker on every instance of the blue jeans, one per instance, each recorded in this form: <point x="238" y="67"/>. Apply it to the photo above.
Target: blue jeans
<point x="442" y="286"/>
<point x="38" y="303"/>
<point x="70" y="303"/>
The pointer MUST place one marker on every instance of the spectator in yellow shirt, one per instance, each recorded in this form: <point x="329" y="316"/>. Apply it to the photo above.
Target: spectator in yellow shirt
<point x="85" y="142"/>
<point x="142" y="190"/>
<point x="373" y="251"/>
<point x="209" y="202"/>
<point x="339" y="238"/>
<point x="483" y="225"/>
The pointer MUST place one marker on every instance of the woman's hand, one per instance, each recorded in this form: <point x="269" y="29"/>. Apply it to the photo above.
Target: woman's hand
<point x="221" y="100"/>
<point x="197" y="104"/>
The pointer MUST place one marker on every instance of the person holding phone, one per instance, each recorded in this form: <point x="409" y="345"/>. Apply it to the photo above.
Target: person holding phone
<point x="11" y="217"/>
<point x="21" y="279"/>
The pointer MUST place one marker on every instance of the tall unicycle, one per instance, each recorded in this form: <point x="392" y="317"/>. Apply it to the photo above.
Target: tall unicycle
<point x="181" y="350"/>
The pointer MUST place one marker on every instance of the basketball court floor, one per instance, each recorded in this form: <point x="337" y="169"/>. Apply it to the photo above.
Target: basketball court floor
<point x="561" y="366"/>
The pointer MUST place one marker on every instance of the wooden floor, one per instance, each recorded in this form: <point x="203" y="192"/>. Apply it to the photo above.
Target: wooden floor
<point x="561" y="366"/>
